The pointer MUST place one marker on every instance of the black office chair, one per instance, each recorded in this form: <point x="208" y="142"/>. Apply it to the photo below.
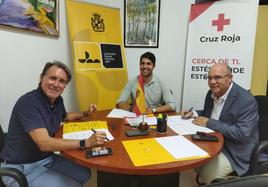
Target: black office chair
<point x="11" y="172"/>
<point x="258" y="166"/>
<point x="248" y="181"/>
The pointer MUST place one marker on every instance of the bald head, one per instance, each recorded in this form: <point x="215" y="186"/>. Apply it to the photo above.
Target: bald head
<point x="219" y="79"/>
<point x="221" y="67"/>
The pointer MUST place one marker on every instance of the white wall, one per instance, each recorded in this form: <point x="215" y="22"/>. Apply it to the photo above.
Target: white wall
<point x="23" y="55"/>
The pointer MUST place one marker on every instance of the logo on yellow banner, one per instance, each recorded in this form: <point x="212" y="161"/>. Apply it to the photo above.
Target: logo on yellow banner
<point x="88" y="60"/>
<point x="97" y="23"/>
<point x="87" y="55"/>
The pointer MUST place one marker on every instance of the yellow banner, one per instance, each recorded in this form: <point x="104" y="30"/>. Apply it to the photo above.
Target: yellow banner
<point x="98" y="53"/>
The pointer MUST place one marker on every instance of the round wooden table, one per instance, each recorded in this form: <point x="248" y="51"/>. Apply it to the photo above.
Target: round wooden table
<point x="120" y="163"/>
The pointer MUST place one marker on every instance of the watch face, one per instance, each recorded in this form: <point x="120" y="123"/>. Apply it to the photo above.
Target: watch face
<point x="82" y="144"/>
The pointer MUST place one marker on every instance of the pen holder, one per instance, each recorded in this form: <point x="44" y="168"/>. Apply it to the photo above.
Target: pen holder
<point x="161" y="125"/>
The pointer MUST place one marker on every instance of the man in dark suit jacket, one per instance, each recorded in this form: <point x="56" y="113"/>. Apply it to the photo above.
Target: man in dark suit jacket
<point x="232" y="111"/>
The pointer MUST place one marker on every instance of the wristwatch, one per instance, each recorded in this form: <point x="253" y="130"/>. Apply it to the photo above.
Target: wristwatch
<point x="82" y="144"/>
<point x="154" y="110"/>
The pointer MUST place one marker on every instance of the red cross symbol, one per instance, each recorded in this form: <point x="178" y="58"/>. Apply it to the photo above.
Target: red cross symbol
<point x="220" y="22"/>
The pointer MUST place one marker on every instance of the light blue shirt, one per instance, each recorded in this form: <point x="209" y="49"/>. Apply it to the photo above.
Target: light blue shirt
<point x="156" y="93"/>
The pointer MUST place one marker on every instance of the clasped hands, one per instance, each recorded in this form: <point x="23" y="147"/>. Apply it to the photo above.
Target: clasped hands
<point x="91" y="108"/>
<point x="201" y="121"/>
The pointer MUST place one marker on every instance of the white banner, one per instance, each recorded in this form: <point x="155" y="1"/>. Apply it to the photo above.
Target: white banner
<point x="219" y="32"/>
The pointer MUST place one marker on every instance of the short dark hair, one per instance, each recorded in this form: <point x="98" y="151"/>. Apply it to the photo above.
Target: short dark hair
<point x="59" y="65"/>
<point x="148" y="55"/>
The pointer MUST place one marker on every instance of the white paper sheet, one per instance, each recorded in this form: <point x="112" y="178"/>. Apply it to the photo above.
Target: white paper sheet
<point x="86" y="134"/>
<point x="119" y="113"/>
<point x="185" y="126"/>
<point x="180" y="147"/>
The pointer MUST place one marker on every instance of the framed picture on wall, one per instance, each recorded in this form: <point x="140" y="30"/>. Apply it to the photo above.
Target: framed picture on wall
<point x="40" y="16"/>
<point x="141" y="23"/>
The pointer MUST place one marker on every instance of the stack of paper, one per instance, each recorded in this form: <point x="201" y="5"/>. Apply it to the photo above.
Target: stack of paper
<point x="119" y="113"/>
<point x="185" y="126"/>
<point x="82" y="130"/>
<point x="161" y="150"/>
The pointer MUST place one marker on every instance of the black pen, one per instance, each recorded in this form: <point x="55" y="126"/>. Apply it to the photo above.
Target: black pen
<point x="93" y="130"/>
<point x="190" y="110"/>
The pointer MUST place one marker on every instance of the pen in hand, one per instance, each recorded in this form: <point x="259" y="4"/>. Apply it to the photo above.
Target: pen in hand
<point x="93" y="130"/>
<point x="190" y="110"/>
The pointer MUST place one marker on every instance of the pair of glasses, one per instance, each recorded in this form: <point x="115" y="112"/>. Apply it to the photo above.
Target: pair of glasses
<point x="217" y="77"/>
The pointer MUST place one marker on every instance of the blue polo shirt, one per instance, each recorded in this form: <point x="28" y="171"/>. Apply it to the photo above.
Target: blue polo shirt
<point x="32" y="111"/>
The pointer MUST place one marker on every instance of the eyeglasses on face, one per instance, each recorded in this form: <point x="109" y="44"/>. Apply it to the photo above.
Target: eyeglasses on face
<point x="62" y="82"/>
<point x="217" y="77"/>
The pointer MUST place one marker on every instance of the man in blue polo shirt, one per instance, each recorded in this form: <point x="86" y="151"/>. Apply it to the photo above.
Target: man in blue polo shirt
<point x="30" y="141"/>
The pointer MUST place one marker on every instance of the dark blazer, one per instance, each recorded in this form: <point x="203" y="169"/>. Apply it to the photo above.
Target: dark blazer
<point x="238" y="124"/>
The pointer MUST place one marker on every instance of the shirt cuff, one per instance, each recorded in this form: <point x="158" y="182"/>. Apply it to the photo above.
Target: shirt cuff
<point x="195" y="115"/>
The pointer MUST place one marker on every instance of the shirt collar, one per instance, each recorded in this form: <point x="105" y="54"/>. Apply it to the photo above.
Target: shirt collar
<point x="46" y="99"/>
<point x="223" y="98"/>
<point x="151" y="81"/>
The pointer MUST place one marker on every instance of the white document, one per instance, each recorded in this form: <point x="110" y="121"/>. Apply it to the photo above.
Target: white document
<point x="134" y="122"/>
<point x="180" y="147"/>
<point x="119" y="113"/>
<point x="185" y="126"/>
<point x="86" y="134"/>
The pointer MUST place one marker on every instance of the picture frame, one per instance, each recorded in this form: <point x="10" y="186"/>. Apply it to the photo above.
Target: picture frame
<point x="41" y="16"/>
<point x="141" y="23"/>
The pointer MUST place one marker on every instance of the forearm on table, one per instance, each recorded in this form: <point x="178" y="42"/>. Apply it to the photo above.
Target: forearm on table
<point x="48" y="144"/>
<point x="71" y="116"/>
<point x="124" y="106"/>
<point x="164" y="108"/>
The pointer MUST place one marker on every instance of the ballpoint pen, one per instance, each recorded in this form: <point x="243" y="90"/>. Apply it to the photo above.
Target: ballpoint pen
<point x="190" y="110"/>
<point x="93" y="130"/>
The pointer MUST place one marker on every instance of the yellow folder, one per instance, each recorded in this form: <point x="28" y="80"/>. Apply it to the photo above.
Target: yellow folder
<point x="82" y="126"/>
<point x="147" y="152"/>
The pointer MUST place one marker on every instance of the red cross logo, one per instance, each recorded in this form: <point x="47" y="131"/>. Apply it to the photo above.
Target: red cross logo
<point x="220" y="22"/>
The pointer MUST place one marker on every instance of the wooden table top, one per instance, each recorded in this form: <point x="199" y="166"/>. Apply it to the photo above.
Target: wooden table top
<point x="120" y="162"/>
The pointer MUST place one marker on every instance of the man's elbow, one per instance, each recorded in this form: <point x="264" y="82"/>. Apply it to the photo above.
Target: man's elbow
<point x="172" y="107"/>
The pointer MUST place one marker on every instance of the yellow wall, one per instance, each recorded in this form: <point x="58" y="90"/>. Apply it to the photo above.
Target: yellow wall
<point x="260" y="65"/>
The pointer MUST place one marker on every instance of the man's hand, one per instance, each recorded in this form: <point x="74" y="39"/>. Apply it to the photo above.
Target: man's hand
<point x="149" y="110"/>
<point x="185" y="114"/>
<point x="201" y="121"/>
<point x="91" y="108"/>
<point x="96" y="140"/>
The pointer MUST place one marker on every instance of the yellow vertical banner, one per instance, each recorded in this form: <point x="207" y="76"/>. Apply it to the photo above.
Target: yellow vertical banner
<point x="98" y="53"/>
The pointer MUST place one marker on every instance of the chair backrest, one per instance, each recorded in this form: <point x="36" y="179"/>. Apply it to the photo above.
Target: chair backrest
<point x="2" y="138"/>
<point x="263" y="113"/>
<point x="11" y="172"/>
